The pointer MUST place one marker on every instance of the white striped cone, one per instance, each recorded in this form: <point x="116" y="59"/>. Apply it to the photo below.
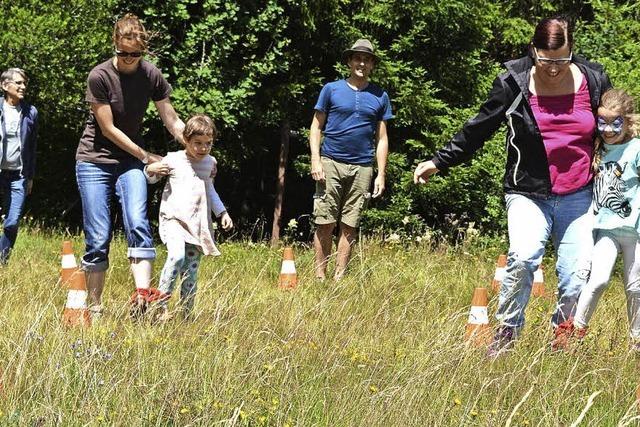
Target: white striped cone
<point x="538" y="283"/>
<point x="69" y="265"/>
<point x="75" y="310"/>
<point x="477" y="330"/>
<point x="501" y="270"/>
<point x="288" y="275"/>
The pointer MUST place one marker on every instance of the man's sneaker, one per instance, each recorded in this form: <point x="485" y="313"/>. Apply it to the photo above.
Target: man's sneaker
<point x="503" y="341"/>
<point x="635" y="347"/>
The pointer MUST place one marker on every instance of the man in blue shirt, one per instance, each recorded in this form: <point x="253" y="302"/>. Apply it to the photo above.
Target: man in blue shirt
<point x="352" y="116"/>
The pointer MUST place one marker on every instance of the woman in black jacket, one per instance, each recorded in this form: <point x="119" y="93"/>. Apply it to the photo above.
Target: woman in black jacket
<point x="548" y="100"/>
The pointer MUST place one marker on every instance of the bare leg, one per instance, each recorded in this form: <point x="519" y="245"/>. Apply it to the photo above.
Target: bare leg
<point x="141" y="269"/>
<point x="346" y="239"/>
<point x="322" y="243"/>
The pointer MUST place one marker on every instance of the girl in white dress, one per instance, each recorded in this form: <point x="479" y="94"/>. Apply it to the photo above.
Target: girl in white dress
<point x="185" y="211"/>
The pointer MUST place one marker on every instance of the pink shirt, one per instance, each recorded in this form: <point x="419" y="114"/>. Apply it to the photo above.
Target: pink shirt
<point x="567" y="126"/>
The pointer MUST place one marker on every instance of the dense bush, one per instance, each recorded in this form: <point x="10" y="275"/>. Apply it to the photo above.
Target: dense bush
<point x="257" y="66"/>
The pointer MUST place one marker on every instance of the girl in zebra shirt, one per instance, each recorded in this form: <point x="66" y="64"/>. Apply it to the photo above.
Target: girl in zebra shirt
<point x="616" y="205"/>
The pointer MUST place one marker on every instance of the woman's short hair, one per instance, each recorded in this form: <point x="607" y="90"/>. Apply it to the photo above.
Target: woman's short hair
<point x="200" y="124"/>
<point x="130" y="27"/>
<point x="10" y="73"/>
<point x="553" y="33"/>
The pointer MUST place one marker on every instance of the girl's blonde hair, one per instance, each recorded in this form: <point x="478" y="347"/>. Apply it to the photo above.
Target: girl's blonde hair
<point x="130" y="27"/>
<point x="621" y="102"/>
<point x="200" y="124"/>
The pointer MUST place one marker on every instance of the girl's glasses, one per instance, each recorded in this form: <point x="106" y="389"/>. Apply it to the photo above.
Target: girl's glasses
<point x="123" y="54"/>
<point x="551" y="61"/>
<point x="614" y="126"/>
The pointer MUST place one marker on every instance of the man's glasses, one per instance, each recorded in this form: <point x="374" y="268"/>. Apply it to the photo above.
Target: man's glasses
<point x="614" y="126"/>
<point x="123" y="54"/>
<point x="551" y="61"/>
<point x="19" y="82"/>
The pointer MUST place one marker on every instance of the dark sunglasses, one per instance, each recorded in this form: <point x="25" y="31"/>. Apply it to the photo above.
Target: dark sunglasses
<point x="615" y="126"/>
<point x="122" y="54"/>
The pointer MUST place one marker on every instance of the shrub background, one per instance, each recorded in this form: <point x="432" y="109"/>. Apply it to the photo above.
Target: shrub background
<point x="256" y="66"/>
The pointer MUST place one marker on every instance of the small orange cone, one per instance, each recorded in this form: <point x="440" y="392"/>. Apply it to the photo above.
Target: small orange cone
<point x="538" y="283"/>
<point x="288" y="275"/>
<point x="501" y="269"/>
<point x="69" y="264"/>
<point x="478" y="331"/>
<point x="75" y="310"/>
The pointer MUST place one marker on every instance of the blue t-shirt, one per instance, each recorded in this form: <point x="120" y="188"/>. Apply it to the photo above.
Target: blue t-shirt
<point x="352" y="120"/>
<point x="616" y="196"/>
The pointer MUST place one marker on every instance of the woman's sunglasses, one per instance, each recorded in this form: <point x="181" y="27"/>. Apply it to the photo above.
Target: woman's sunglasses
<point x="122" y="54"/>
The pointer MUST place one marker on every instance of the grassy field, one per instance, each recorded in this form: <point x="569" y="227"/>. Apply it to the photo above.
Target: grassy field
<point x="383" y="347"/>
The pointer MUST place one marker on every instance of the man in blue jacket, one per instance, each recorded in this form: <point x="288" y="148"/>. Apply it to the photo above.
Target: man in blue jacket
<point x="18" y="131"/>
<point x="352" y="116"/>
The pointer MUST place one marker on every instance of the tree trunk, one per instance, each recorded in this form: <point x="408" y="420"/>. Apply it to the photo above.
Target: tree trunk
<point x="284" y="154"/>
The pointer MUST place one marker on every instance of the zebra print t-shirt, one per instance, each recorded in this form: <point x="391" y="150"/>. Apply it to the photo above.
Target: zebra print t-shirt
<point x="616" y="195"/>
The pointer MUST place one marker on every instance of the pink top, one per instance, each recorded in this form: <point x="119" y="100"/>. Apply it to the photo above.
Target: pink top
<point x="567" y="125"/>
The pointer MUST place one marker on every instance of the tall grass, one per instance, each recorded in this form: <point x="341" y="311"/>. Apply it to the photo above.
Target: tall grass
<point x="383" y="347"/>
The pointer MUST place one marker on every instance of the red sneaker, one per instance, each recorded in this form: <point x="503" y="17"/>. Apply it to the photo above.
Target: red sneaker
<point x="563" y="334"/>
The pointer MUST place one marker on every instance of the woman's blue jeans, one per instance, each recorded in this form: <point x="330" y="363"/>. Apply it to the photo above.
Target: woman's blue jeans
<point x="98" y="184"/>
<point x="569" y="222"/>
<point x="14" y="192"/>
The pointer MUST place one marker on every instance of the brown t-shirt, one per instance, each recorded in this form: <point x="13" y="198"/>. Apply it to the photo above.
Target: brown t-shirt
<point x="129" y="96"/>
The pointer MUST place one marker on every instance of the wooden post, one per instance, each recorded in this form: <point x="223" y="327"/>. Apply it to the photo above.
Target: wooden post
<point x="285" y="131"/>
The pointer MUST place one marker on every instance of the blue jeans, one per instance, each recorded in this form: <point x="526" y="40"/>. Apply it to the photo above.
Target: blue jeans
<point x="14" y="192"/>
<point x="98" y="183"/>
<point x="569" y="222"/>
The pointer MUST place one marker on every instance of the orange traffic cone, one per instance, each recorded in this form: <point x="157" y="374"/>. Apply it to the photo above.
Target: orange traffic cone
<point x="288" y="275"/>
<point x="538" y="283"/>
<point x="501" y="269"/>
<point x="69" y="265"/>
<point x="478" y="331"/>
<point x="75" y="310"/>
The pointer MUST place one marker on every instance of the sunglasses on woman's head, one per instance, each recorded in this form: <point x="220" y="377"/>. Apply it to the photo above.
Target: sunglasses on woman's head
<point x="615" y="125"/>
<point x="122" y="54"/>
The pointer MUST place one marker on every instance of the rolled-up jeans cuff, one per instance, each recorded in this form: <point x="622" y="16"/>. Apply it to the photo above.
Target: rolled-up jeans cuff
<point x="141" y="253"/>
<point x="95" y="267"/>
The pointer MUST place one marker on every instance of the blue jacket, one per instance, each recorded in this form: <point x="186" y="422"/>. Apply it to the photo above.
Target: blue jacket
<point x="28" y="136"/>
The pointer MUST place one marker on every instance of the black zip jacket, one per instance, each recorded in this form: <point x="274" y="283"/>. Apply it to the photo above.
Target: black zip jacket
<point x="527" y="169"/>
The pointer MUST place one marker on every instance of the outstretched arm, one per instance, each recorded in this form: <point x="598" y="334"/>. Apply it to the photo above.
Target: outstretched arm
<point x="104" y="117"/>
<point x="170" y="119"/>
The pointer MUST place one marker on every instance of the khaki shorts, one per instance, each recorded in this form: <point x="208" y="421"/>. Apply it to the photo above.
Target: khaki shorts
<point x="344" y="193"/>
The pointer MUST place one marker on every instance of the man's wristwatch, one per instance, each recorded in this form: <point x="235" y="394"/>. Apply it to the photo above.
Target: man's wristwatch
<point x="145" y="159"/>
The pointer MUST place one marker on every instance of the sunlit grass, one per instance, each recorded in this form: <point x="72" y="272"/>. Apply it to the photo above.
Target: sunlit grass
<point x="382" y="347"/>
